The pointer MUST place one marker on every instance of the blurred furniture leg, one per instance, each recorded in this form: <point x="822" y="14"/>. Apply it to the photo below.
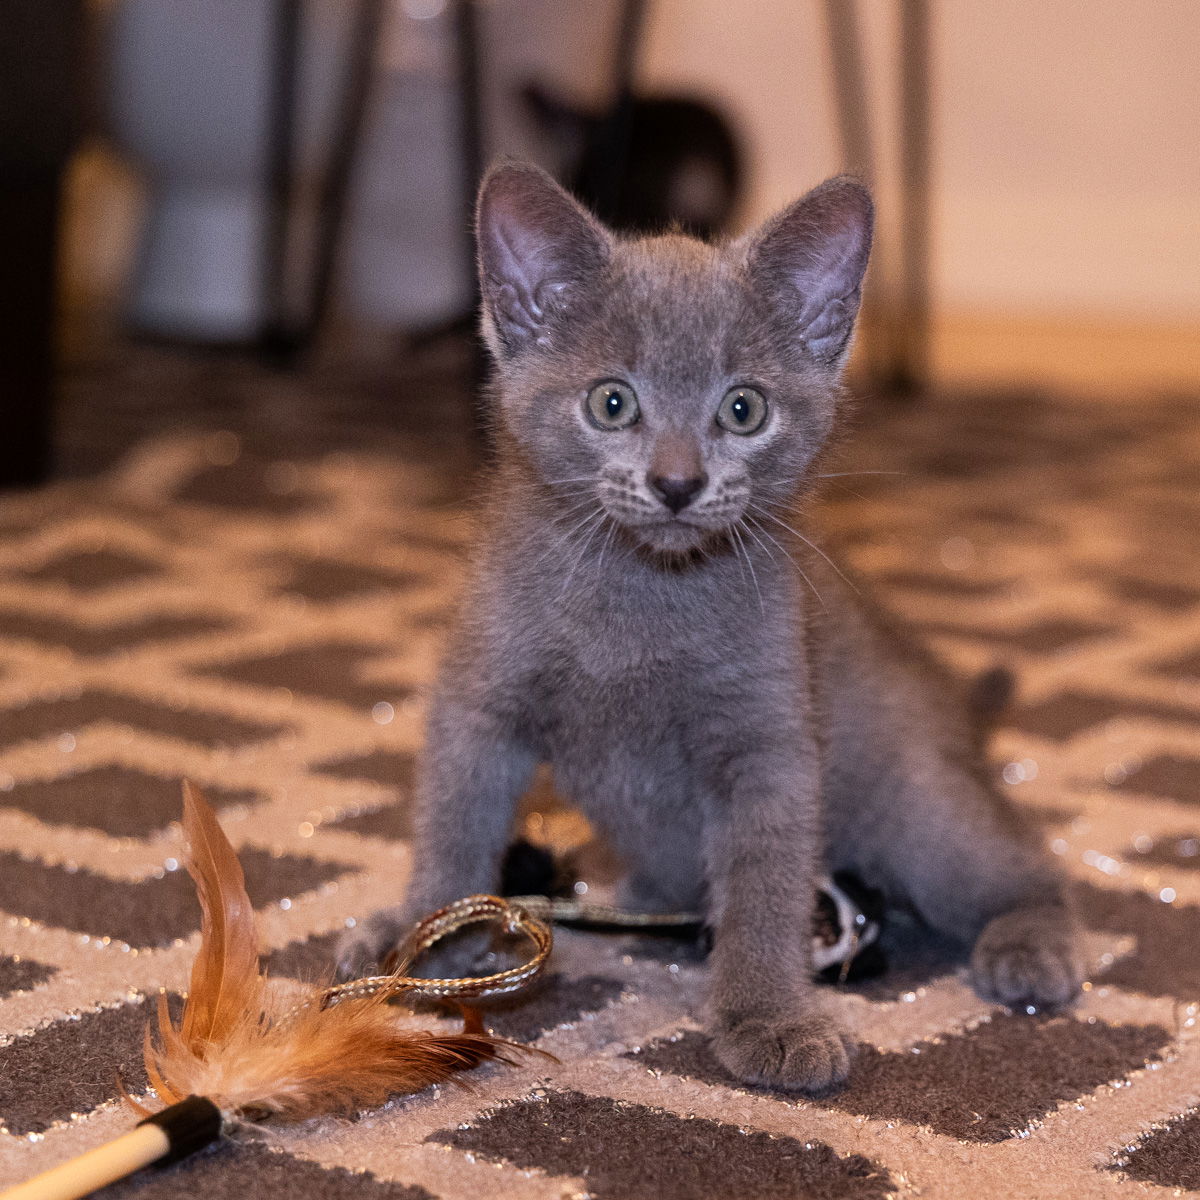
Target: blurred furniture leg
<point x="29" y="210"/>
<point x="339" y="171"/>
<point x="41" y="52"/>
<point x="853" y="113"/>
<point x="895" y="311"/>
<point x="910" y="367"/>
<point x="470" y="93"/>
<point x="605" y="187"/>
<point x="286" y="333"/>
<point x="278" y="341"/>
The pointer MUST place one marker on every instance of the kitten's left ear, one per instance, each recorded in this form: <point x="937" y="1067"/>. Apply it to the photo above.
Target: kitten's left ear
<point x="539" y="250"/>
<point x="810" y="260"/>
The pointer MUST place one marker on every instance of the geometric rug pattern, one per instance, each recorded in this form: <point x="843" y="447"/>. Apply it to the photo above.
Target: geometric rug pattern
<point x="266" y="624"/>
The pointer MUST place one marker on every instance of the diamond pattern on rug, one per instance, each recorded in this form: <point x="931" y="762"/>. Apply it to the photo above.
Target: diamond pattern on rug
<point x="631" y="1152"/>
<point x="71" y="714"/>
<point x="257" y="1170"/>
<point x="386" y="767"/>
<point x="21" y="974"/>
<point x="191" y="585"/>
<point x="943" y="585"/>
<point x="1042" y="637"/>
<point x="327" y="671"/>
<point x="1165" y="775"/>
<point x="985" y="1085"/>
<point x="1159" y="966"/>
<point x="150" y="912"/>
<point x="1181" y="852"/>
<point x="248" y="484"/>
<point x="71" y="1066"/>
<point x="1169" y="1156"/>
<point x="1069" y="713"/>
<point x="1186" y="667"/>
<point x="310" y="959"/>
<point x="95" y="641"/>
<point x="94" y="570"/>
<point x="1158" y="593"/>
<point x="559" y="1000"/>
<point x="118" y="800"/>
<point x="326" y="581"/>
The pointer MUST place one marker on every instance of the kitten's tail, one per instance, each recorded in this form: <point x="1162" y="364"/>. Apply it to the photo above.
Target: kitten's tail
<point x="989" y="698"/>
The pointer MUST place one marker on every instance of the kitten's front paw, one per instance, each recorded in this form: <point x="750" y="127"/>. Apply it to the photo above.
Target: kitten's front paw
<point x="364" y="951"/>
<point x="1027" y="957"/>
<point x="795" y="1052"/>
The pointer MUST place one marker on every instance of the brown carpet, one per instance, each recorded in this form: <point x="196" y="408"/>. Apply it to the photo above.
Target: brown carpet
<point x="254" y="596"/>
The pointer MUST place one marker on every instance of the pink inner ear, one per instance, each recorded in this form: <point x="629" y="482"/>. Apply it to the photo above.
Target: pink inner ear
<point x="811" y="258"/>
<point x="829" y="320"/>
<point x="535" y="245"/>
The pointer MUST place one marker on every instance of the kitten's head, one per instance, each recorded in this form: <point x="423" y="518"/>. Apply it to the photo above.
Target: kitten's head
<point x="676" y="385"/>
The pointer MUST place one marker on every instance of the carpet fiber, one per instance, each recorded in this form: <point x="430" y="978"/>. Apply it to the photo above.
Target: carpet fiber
<point x="257" y="600"/>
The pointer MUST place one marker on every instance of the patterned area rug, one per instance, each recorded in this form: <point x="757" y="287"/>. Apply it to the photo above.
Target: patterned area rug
<point x="259" y="606"/>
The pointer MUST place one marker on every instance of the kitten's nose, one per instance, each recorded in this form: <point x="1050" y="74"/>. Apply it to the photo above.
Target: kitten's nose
<point x="675" y="492"/>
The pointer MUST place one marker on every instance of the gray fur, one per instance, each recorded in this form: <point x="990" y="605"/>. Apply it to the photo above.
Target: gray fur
<point x="706" y="685"/>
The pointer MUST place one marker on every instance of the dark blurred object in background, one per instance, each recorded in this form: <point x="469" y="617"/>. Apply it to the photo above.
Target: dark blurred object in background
<point x="294" y="175"/>
<point x="682" y="163"/>
<point x="41" y="115"/>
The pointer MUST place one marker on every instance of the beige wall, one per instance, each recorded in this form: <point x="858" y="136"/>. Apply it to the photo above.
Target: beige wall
<point x="1067" y="138"/>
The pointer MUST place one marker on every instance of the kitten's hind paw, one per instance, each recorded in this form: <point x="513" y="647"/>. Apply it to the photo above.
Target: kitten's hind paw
<point x="1027" y="958"/>
<point x="790" y="1052"/>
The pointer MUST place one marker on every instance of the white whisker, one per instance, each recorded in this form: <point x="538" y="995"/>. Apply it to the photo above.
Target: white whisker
<point x="762" y="608"/>
<point x="812" y="587"/>
<point x="608" y="541"/>
<point x="564" y="539"/>
<point x="585" y="542"/>
<point x="766" y="512"/>
<point x="845" y="474"/>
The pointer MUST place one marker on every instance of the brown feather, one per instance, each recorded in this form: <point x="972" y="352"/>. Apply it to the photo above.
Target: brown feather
<point x="225" y="975"/>
<point x="257" y="1052"/>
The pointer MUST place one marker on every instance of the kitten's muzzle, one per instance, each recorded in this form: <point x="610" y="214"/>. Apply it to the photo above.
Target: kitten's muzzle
<point x="677" y="492"/>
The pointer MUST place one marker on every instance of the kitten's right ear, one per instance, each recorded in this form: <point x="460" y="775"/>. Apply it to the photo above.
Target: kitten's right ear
<point x="810" y="260"/>
<point x="538" y="249"/>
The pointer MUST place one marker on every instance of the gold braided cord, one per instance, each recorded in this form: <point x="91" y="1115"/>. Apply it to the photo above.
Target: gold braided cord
<point x="471" y="910"/>
<point x="588" y="912"/>
<point x="530" y="916"/>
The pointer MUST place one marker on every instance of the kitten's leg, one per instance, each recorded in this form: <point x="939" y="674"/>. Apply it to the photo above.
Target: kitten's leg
<point x="954" y="849"/>
<point x="909" y="805"/>
<point x="995" y="885"/>
<point x="473" y="772"/>
<point x="762" y="857"/>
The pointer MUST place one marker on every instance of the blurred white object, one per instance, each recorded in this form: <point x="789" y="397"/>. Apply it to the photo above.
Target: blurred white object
<point x="189" y="88"/>
<point x="404" y="257"/>
<point x="189" y="94"/>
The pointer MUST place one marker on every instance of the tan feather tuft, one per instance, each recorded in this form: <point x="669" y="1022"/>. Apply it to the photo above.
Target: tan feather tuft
<point x="225" y="976"/>
<point x="257" y="1052"/>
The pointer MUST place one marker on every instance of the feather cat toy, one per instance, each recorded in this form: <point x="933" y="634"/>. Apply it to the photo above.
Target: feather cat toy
<point x="243" y="1049"/>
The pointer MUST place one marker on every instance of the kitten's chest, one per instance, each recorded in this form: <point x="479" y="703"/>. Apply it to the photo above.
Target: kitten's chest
<point x="624" y="666"/>
<point x="613" y="732"/>
<point x="618" y="648"/>
<point x="632" y="639"/>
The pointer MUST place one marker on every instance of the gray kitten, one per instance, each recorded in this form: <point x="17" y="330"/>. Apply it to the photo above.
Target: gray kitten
<point x="704" y="683"/>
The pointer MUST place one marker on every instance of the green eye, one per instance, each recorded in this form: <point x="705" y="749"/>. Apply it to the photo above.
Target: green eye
<point x="743" y="410"/>
<point x="612" y="405"/>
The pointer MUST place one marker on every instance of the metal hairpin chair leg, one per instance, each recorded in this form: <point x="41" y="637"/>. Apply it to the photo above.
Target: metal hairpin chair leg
<point x="897" y="332"/>
<point x="287" y="334"/>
